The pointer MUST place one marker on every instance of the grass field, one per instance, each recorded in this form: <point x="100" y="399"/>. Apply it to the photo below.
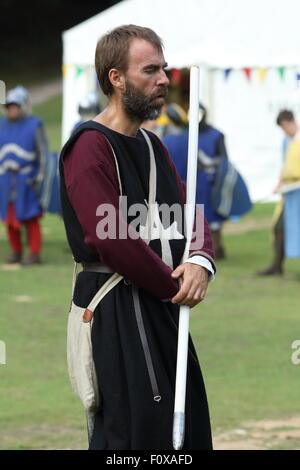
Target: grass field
<point x="51" y="113"/>
<point x="243" y="333"/>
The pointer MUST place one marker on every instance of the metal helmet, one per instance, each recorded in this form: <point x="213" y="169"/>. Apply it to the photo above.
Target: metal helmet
<point x="177" y="114"/>
<point x="202" y="114"/>
<point x="89" y="104"/>
<point x="18" y="95"/>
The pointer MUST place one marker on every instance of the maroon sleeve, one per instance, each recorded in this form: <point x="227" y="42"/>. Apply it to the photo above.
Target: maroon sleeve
<point x="91" y="179"/>
<point x="201" y="239"/>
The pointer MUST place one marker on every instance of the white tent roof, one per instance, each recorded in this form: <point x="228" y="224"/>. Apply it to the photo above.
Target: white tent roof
<point x="221" y="34"/>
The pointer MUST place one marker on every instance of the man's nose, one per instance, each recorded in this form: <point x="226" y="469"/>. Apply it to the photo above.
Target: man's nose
<point x="163" y="79"/>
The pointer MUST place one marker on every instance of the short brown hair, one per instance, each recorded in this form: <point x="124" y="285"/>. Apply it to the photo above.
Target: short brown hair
<point x="285" y="115"/>
<point x="112" y="51"/>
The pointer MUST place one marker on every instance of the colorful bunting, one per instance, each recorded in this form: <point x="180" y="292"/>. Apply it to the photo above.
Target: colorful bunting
<point x="281" y="71"/>
<point x="79" y="71"/>
<point x="261" y="72"/>
<point x="175" y="74"/>
<point x="227" y="73"/>
<point x="65" y="69"/>
<point x="247" y="72"/>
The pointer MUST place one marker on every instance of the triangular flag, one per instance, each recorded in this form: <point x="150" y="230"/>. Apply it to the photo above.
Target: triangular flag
<point x="65" y="69"/>
<point x="247" y="72"/>
<point x="79" y="70"/>
<point x="281" y="71"/>
<point x="175" y="74"/>
<point x="261" y="72"/>
<point x="227" y="73"/>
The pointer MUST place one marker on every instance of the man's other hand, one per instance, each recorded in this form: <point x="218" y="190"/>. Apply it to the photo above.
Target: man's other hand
<point x="193" y="281"/>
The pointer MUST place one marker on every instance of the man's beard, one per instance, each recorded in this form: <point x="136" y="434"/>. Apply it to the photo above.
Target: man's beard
<point x="140" y="107"/>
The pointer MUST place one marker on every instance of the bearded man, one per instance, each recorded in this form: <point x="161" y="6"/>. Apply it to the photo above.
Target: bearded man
<point x="135" y="326"/>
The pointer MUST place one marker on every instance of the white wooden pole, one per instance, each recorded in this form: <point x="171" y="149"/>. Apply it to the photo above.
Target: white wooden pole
<point x="183" y="330"/>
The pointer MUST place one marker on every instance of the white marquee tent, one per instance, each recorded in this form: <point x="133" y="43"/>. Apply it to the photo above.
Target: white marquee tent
<point x="261" y="35"/>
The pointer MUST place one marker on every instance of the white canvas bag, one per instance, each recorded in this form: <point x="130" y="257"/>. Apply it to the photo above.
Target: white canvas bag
<point x="81" y="365"/>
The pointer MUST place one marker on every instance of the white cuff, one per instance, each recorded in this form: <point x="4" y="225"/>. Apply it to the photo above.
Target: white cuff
<point x="202" y="261"/>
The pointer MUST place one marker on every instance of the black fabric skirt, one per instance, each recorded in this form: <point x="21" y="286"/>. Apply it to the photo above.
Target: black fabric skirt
<point x="129" y="418"/>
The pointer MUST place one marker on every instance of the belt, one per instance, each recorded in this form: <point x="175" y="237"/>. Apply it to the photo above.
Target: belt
<point x="96" y="267"/>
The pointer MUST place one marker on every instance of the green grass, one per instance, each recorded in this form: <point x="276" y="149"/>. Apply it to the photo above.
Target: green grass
<point x="289" y="444"/>
<point x="36" y="402"/>
<point x="51" y="113"/>
<point x="243" y="333"/>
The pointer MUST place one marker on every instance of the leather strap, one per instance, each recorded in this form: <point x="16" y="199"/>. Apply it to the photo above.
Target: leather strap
<point x="96" y="268"/>
<point x="142" y="332"/>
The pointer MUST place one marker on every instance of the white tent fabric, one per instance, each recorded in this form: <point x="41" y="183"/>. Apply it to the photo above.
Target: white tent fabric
<point x="227" y="33"/>
<point x="216" y="35"/>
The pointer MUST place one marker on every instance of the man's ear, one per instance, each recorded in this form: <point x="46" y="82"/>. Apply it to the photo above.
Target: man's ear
<point x="117" y="79"/>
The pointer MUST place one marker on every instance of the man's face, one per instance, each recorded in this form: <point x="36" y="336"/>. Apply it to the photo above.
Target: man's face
<point x="290" y="128"/>
<point x="146" y="81"/>
<point x="13" y="111"/>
